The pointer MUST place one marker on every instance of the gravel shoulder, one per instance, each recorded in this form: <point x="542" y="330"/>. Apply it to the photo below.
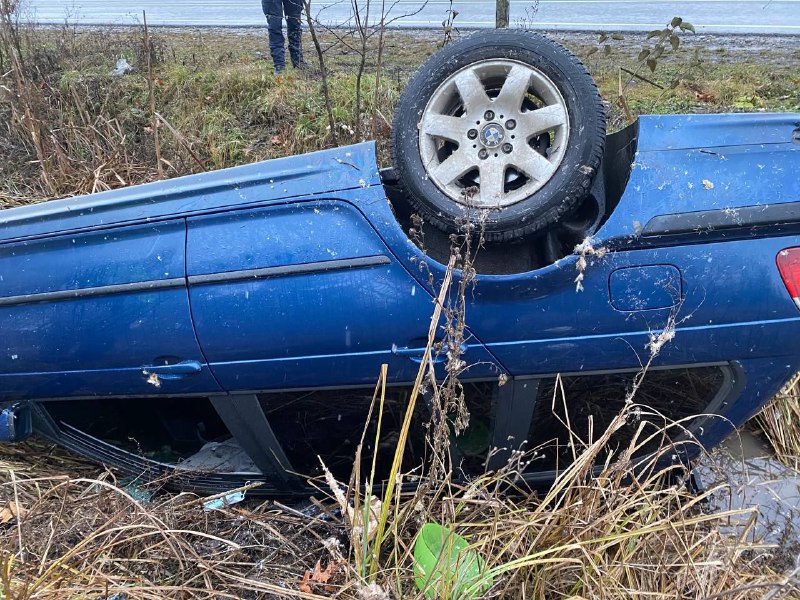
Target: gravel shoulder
<point x="767" y="47"/>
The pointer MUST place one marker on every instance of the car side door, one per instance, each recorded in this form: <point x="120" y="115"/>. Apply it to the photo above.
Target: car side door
<point x="99" y="312"/>
<point x="306" y="294"/>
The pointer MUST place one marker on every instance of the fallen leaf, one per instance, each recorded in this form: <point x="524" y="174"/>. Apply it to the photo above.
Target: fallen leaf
<point x="703" y="97"/>
<point x="708" y="184"/>
<point x="11" y="511"/>
<point x="320" y="576"/>
<point x="304" y="587"/>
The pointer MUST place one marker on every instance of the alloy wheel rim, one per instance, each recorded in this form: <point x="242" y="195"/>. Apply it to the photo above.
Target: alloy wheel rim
<point x="493" y="133"/>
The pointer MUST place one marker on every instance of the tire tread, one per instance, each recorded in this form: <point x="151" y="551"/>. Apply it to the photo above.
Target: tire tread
<point x="580" y="185"/>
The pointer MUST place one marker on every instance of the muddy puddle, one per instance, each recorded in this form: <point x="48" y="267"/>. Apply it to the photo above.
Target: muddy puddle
<point x="744" y="474"/>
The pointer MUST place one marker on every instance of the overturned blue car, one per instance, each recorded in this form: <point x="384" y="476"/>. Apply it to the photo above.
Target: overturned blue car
<point x="229" y="327"/>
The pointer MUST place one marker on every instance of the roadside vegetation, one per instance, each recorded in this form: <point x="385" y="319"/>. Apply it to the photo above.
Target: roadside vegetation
<point x="71" y="530"/>
<point x="71" y="127"/>
<point x="206" y="100"/>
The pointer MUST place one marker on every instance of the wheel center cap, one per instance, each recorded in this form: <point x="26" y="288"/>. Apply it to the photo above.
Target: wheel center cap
<point x="492" y="135"/>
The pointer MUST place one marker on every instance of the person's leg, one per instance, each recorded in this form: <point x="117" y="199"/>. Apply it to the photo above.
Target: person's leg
<point x="294" y="30"/>
<point x="273" y="10"/>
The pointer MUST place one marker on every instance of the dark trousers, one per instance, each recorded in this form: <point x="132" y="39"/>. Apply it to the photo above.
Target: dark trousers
<point x="275" y="10"/>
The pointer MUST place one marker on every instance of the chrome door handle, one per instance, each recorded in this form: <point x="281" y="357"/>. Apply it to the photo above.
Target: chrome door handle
<point x="416" y="354"/>
<point x="175" y="371"/>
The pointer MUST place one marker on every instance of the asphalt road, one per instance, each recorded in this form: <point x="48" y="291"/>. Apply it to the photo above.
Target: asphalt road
<point x="709" y="16"/>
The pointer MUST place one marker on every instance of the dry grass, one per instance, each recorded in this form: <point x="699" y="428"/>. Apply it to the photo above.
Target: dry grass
<point x="71" y="128"/>
<point x="77" y="534"/>
<point x="80" y="535"/>
<point x="780" y="422"/>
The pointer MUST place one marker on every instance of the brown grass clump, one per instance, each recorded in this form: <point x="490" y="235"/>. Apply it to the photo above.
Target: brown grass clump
<point x="780" y="422"/>
<point x="70" y="127"/>
<point x="82" y="535"/>
<point x="75" y="533"/>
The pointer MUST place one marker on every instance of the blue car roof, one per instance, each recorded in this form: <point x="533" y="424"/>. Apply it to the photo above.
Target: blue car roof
<point x="303" y="175"/>
<point x="682" y="132"/>
<point x="671" y="185"/>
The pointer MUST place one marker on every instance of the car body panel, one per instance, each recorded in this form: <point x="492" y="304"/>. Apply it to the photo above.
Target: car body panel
<point x="88" y="313"/>
<point x="648" y="287"/>
<point x="325" y="301"/>
<point x="352" y="167"/>
<point x="684" y="132"/>
<point x="692" y="164"/>
<point x="762" y="378"/>
<point x="296" y="274"/>
<point x="733" y="303"/>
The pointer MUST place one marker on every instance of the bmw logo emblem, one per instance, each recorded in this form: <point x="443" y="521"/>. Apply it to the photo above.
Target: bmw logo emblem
<point x="492" y="135"/>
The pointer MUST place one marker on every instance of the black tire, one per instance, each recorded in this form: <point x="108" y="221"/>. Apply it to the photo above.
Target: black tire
<point x="579" y="162"/>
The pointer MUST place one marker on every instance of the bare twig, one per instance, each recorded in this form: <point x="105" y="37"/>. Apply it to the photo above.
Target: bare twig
<point x="151" y="95"/>
<point x="645" y="79"/>
<point x="322" y="69"/>
<point x="182" y="141"/>
<point x="378" y="68"/>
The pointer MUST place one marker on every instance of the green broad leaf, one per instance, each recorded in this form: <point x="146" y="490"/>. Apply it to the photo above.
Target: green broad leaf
<point x="676" y="22"/>
<point x="602" y="37"/>
<point x="654" y="33"/>
<point x="445" y="566"/>
<point x="651" y="64"/>
<point x="687" y="27"/>
<point x="643" y="54"/>
<point x="674" y="41"/>
<point x="592" y="50"/>
<point x="606" y="49"/>
<point x="617" y="36"/>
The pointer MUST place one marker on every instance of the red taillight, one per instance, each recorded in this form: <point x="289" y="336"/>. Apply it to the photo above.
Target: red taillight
<point x="789" y="267"/>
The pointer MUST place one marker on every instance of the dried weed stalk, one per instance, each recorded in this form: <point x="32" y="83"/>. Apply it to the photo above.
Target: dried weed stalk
<point x="780" y="422"/>
<point x="583" y="250"/>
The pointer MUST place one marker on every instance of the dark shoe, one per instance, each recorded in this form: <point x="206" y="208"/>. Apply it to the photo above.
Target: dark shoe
<point x="301" y="65"/>
<point x="279" y="70"/>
